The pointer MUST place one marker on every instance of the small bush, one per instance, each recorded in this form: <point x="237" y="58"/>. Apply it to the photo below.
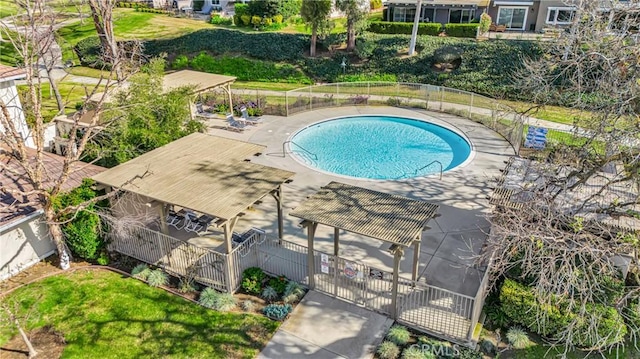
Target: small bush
<point x="399" y="335"/>
<point x="447" y="55"/>
<point x="157" y="278"/>
<point x="216" y="19"/>
<point x="279" y="284"/>
<point x="277" y="311"/>
<point x="461" y="30"/>
<point x="387" y="27"/>
<point x="103" y="259"/>
<point x="141" y="271"/>
<point x="180" y="62"/>
<point x="208" y="297"/>
<point x="417" y="353"/>
<point x="278" y="19"/>
<point x="394" y="101"/>
<point x="485" y="23"/>
<point x="388" y="350"/>
<point x="293" y="292"/>
<point x="517" y="337"/>
<point x="269" y="294"/>
<point x="248" y="306"/>
<point x="225" y="302"/>
<point x="186" y="286"/>
<point x="256" y="21"/>
<point x="375" y="4"/>
<point x="246" y="19"/>
<point x="252" y="279"/>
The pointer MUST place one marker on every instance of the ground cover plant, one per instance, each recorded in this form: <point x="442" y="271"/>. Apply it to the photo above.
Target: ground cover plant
<point x="100" y="314"/>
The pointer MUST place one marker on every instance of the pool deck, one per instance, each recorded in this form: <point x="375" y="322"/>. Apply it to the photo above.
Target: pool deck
<point x="454" y="238"/>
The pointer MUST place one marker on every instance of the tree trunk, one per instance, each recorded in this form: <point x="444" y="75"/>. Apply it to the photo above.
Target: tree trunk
<point x="58" y="237"/>
<point x="32" y="351"/>
<point x="314" y="37"/>
<point x="101" y="13"/>
<point x="351" y="35"/>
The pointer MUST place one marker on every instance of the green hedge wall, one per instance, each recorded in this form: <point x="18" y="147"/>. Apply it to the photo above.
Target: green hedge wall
<point x="461" y="30"/>
<point x="519" y="303"/>
<point x="262" y="46"/>
<point x="386" y="27"/>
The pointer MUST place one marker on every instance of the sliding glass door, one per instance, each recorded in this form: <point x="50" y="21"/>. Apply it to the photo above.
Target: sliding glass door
<point x="514" y="18"/>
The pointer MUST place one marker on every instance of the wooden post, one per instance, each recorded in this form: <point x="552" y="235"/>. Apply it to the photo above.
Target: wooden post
<point x="311" y="232"/>
<point x="394" y="290"/>
<point x="228" y="237"/>
<point x="163" y="218"/>
<point x="278" y="196"/>
<point x="416" y="258"/>
<point x="230" y="100"/>
<point x="336" y="241"/>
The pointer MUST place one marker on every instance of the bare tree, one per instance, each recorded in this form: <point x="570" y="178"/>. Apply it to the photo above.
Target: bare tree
<point x="11" y="308"/>
<point x="39" y="186"/>
<point x="563" y="224"/>
<point x="102" y="14"/>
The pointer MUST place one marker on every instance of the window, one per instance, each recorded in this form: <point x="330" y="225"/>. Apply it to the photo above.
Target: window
<point x="428" y="15"/>
<point x="514" y="18"/>
<point x="560" y="15"/>
<point x="402" y="14"/>
<point x="461" y="16"/>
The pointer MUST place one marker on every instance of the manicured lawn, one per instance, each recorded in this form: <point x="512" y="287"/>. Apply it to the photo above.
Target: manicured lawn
<point x="72" y="93"/>
<point x="8" y="8"/>
<point x="103" y="315"/>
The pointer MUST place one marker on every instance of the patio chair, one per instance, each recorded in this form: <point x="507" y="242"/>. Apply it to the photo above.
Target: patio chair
<point x="200" y="112"/>
<point x="247" y="119"/>
<point x="235" y="125"/>
<point x="199" y="224"/>
<point x="174" y="220"/>
<point x="238" y="238"/>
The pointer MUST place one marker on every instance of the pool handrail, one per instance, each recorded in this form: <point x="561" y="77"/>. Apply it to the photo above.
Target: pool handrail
<point x="430" y="163"/>
<point x="284" y="150"/>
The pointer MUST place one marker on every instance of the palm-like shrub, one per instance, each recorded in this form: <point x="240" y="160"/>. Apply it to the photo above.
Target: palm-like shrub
<point x="208" y="297"/>
<point x="141" y="271"/>
<point x="157" y="278"/>
<point x="518" y="338"/>
<point x="416" y="352"/>
<point x="269" y="294"/>
<point x="399" y="335"/>
<point x="388" y="350"/>
<point x="293" y="292"/>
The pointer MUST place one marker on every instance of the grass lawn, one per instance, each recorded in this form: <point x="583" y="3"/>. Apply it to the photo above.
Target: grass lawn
<point x="8" y="8"/>
<point x="72" y="93"/>
<point x="103" y="315"/>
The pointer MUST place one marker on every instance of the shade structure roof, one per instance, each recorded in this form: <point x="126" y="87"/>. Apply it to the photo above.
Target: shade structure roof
<point x="202" y="81"/>
<point x="378" y="215"/>
<point x="442" y="2"/>
<point x="200" y="172"/>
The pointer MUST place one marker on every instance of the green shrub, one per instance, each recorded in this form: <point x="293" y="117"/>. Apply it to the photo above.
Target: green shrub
<point x="375" y="4"/>
<point x="517" y="338"/>
<point x="208" y="297"/>
<point x="248" y="306"/>
<point x="241" y="9"/>
<point x="224" y="302"/>
<point x="256" y="21"/>
<point x="485" y="23"/>
<point x="388" y="27"/>
<point x="279" y="284"/>
<point x="157" y="278"/>
<point x="461" y="30"/>
<point x="252" y="279"/>
<point x="246" y="19"/>
<point x="103" y="258"/>
<point x="180" y="62"/>
<point x="269" y="294"/>
<point x="216" y="19"/>
<point x="610" y="327"/>
<point x="141" y="271"/>
<point x="388" y="350"/>
<point x="293" y="292"/>
<point x="398" y="334"/>
<point x="277" y="311"/>
<point x="416" y="352"/>
<point x="447" y="55"/>
<point x="187" y="285"/>
<point x="278" y="19"/>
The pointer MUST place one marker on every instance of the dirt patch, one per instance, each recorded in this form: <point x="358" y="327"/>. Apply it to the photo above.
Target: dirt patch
<point x="48" y="343"/>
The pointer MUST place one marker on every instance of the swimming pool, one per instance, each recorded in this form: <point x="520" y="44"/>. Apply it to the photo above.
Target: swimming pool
<point x="379" y="147"/>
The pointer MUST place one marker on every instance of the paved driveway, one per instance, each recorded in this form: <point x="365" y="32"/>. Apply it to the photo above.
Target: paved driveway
<point x="322" y="327"/>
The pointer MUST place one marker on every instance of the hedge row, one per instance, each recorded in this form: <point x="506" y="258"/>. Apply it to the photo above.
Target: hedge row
<point x="263" y="46"/>
<point x="386" y="27"/>
<point x="519" y="303"/>
<point x="461" y="30"/>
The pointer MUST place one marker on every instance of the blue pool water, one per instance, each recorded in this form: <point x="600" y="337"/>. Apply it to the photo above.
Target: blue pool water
<point x="379" y="147"/>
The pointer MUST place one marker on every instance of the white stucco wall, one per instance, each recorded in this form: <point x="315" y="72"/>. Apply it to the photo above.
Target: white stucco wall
<point x="24" y="245"/>
<point x="9" y="95"/>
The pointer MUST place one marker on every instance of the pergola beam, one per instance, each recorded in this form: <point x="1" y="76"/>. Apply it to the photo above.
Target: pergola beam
<point x="416" y="257"/>
<point x="311" y="232"/>
<point x="277" y="194"/>
<point x="397" y="256"/>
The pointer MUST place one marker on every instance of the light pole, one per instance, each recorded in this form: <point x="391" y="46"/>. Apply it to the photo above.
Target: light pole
<point x="343" y="64"/>
<point x="414" y="33"/>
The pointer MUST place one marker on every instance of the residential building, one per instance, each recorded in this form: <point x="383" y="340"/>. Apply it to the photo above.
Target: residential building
<point x="515" y="15"/>
<point x="9" y="95"/>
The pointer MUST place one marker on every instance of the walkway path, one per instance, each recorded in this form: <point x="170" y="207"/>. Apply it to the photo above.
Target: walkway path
<point x="322" y="327"/>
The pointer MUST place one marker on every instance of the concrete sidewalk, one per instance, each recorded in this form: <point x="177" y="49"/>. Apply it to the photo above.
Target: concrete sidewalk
<point x="322" y="327"/>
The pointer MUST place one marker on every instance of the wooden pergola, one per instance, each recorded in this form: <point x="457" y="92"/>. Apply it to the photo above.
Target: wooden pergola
<point x="203" y="81"/>
<point x="207" y="174"/>
<point x="389" y="218"/>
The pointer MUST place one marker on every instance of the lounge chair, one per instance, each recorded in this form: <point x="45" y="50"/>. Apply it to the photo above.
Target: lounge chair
<point x="174" y="220"/>
<point x="247" y="119"/>
<point x="238" y="238"/>
<point x="235" y="125"/>
<point x="198" y="224"/>
<point x="200" y="112"/>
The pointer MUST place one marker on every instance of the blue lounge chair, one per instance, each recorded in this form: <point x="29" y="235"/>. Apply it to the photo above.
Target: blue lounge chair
<point x="247" y="119"/>
<point x="235" y="125"/>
